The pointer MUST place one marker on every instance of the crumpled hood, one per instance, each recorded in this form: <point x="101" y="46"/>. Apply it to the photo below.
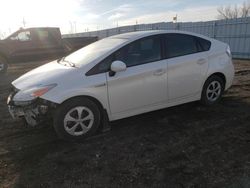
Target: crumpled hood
<point x="49" y="73"/>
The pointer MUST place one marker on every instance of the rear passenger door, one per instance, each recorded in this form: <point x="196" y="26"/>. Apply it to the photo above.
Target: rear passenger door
<point x="186" y="63"/>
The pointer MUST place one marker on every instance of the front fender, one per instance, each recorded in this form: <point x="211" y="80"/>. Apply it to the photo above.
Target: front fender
<point x="98" y="93"/>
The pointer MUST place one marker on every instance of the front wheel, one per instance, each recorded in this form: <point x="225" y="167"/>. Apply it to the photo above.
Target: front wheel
<point x="212" y="90"/>
<point x="77" y="119"/>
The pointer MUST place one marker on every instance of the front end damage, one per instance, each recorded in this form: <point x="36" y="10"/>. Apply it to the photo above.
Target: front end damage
<point x="34" y="111"/>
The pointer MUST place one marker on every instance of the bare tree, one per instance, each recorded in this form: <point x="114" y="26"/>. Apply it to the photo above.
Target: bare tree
<point x="229" y="12"/>
<point x="245" y="11"/>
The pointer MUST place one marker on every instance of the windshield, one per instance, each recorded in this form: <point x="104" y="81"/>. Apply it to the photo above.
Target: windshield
<point x="93" y="51"/>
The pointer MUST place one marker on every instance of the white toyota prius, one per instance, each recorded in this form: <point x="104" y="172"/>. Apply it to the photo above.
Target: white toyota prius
<point x="122" y="76"/>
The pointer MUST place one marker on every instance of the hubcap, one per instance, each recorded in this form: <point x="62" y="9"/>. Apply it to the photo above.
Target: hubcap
<point x="1" y="66"/>
<point x="78" y="121"/>
<point x="213" y="91"/>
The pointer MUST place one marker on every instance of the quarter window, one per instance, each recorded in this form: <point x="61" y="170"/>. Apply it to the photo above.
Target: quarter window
<point x="180" y="45"/>
<point x="204" y="44"/>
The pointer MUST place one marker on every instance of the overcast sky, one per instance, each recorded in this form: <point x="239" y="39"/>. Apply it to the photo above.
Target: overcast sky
<point x="99" y="14"/>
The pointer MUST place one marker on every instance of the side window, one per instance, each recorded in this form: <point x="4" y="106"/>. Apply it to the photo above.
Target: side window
<point x="22" y="36"/>
<point x="204" y="44"/>
<point x="101" y="67"/>
<point x="180" y="45"/>
<point x="104" y="66"/>
<point x="43" y="35"/>
<point x="139" y="52"/>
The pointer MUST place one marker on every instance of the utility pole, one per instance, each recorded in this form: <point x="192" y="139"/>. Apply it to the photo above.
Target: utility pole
<point x="71" y="27"/>
<point x="24" y="22"/>
<point x="175" y="18"/>
<point x="176" y="25"/>
<point x="75" y="27"/>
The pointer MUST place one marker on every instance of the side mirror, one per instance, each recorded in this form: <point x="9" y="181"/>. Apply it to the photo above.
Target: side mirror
<point x="117" y="66"/>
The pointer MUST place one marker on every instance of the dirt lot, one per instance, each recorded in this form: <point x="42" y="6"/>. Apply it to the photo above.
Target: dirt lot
<point x="185" y="146"/>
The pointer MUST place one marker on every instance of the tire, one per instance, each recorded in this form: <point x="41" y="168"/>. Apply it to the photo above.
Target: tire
<point x="69" y="122"/>
<point x="3" y="65"/>
<point x="212" y="90"/>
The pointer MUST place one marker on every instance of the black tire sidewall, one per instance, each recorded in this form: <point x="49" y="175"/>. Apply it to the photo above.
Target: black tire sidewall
<point x="67" y="106"/>
<point x="204" y="99"/>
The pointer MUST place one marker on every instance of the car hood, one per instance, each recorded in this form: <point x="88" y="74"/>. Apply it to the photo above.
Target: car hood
<point x="49" y="73"/>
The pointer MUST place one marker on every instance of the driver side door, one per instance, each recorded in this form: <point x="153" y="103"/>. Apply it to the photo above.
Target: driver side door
<point x="22" y="45"/>
<point x="142" y="87"/>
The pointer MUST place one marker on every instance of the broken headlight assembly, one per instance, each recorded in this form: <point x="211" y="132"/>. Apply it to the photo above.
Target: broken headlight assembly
<point x="27" y="104"/>
<point x="27" y="97"/>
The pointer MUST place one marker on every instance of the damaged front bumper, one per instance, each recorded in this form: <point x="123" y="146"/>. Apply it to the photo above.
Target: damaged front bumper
<point x="34" y="112"/>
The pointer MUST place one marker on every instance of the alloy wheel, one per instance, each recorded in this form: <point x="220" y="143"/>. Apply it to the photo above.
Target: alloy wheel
<point x="213" y="91"/>
<point x="78" y="121"/>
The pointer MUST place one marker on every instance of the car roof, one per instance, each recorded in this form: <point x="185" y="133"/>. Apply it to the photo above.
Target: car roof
<point x="140" y="34"/>
<point x="37" y="28"/>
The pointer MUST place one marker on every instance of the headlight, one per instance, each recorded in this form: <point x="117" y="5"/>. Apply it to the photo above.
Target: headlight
<point x="23" y="96"/>
<point x="37" y="92"/>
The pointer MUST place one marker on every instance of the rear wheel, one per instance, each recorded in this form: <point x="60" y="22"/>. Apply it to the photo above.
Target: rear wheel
<point x="3" y="65"/>
<point x="212" y="90"/>
<point x="77" y="119"/>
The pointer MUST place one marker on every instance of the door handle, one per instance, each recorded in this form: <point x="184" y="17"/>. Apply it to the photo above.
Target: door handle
<point x="100" y="85"/>
<point x="159" y="72"/>
<point x="201" y="61"/>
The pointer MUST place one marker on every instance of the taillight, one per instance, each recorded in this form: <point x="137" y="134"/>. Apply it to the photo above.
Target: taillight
<point x="228" y="51"/>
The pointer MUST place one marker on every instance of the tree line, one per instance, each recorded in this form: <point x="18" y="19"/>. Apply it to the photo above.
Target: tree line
<point x="236" y="11"/>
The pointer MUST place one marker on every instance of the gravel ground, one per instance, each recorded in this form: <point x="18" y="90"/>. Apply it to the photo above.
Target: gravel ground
<point x="185" y="146"/>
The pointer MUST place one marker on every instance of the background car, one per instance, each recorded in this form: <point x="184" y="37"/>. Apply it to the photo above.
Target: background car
<point x="36" y="43"/>
<point x="122" y="76"/>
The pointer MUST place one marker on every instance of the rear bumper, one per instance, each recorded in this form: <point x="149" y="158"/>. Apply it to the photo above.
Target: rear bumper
<point x="230" y="75"/>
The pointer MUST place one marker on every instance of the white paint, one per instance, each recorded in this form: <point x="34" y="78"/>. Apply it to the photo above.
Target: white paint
<point x="137" y="89"/>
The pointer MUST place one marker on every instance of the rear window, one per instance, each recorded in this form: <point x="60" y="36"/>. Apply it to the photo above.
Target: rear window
<point x="43" y="34"/>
